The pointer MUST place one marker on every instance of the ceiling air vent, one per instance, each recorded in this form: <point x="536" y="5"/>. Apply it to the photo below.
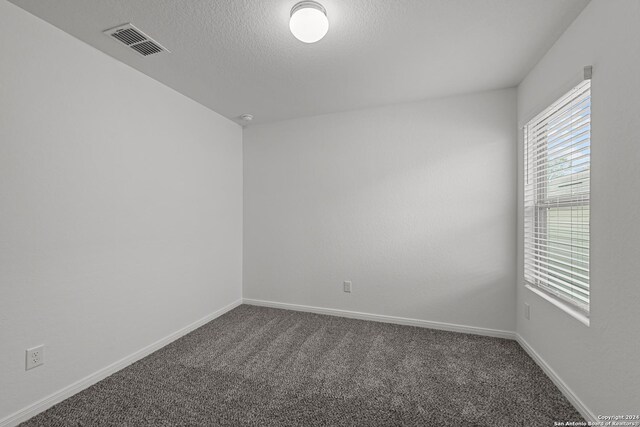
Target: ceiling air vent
<point x="136" y="39"/>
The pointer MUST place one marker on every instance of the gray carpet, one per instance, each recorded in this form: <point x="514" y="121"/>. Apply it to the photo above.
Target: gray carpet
<point x="263" y="366"/>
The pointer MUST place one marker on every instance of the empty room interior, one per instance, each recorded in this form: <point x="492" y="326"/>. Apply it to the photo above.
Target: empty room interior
<point x="331" y="212"/>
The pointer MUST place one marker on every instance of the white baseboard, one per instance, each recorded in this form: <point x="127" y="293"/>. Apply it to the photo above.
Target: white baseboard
<point x="451" y="327"/>
<point x="68" y="391"/>
<point x="586" y="413"/>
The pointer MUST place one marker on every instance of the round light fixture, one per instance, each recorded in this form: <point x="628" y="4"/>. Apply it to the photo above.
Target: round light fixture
<point x="308" y="21"/>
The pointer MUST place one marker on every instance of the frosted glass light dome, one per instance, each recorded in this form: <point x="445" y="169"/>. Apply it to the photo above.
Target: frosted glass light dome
<point x="308" y="21"/>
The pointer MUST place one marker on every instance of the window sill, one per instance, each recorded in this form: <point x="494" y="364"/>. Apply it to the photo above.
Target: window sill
<point x="571" y="311"/>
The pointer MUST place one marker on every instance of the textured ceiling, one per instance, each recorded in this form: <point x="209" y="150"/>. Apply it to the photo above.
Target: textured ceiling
<point x="238" y="56"/>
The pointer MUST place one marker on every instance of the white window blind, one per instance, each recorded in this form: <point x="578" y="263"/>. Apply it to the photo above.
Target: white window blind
<point x="556" y="197"/>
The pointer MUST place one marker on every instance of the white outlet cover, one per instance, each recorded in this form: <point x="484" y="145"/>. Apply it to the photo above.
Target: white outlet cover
<point x="527" y="311"/>
<point x="346" y="286"/>
<point x="34" y="357"/>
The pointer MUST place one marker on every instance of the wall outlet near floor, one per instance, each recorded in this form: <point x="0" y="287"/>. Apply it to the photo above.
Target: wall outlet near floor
<point x="527" y="311"/>
<point x="346" y="286"/>
<point x="35" y="357"/>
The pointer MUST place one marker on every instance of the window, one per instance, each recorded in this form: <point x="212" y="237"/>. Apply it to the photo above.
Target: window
<point x="556" y="198"/>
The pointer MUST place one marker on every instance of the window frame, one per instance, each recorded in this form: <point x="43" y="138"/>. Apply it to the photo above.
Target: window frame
<point x="536" y="210"/>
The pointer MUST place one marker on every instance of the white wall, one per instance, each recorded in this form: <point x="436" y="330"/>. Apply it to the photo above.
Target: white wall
<point x="600" y="363"/>
<point x="414" y="203"/>
<point x="120" y="209"/>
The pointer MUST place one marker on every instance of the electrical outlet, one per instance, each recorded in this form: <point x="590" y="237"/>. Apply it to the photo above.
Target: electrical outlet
<point x="35" y="357"/>
<point x="527" y="311"/>
<point x="346" y="286"/>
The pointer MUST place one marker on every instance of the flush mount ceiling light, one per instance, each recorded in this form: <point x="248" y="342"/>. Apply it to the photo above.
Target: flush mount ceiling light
<point x="308" y="21"/>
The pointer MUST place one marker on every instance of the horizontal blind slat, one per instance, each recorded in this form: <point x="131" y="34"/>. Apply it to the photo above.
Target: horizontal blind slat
<point x="555" y="283"/>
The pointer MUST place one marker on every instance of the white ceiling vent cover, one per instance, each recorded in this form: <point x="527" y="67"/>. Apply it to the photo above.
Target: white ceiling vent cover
<point x="136" y="40"/>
